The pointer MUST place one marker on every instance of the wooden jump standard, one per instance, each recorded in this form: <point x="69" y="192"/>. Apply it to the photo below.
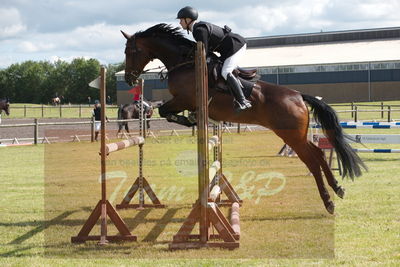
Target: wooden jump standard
<point x="104" y="207"/>
<point x="219" y="179"/>
<point x="206" y="211"/>
<point x="140" y="185"/>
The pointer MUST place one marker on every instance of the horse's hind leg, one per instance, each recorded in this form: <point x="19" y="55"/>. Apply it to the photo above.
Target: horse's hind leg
<point x="333" y="183"/>
<point x="307" y="154"/>
<point x="119" y="129"/>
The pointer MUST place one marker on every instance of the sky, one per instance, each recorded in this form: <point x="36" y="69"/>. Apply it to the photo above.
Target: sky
<point x="51" y="30"/>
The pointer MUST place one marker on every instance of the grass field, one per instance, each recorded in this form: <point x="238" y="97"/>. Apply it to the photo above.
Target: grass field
<point x="49" y="191"/>
<point x="49" y="111"/>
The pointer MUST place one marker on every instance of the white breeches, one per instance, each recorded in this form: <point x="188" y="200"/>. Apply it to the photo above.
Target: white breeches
<point x="231" y="62"/>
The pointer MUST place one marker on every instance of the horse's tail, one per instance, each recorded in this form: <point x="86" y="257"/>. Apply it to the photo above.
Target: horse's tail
<point x="327" y="118"/>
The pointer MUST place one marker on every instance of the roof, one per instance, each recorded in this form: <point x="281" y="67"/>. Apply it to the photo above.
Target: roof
<point x="322" y="53"/>
<point x="325" y="37"/>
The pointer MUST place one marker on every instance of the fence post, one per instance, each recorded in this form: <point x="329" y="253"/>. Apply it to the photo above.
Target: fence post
<point x="36" y="132"/>
<point x="144" y="123"/>
<point x="352" y="109"/>
<point x="238" y="128"/>
<point x="382" y="113"/>
<point x="42" y="111"/>
<point x="92" y="130"/>
<point x="60" y="111"/>
<point x="389" y="113"/>
<point x="355" y="113"/>
<point x="24" y="111"/>
<point x="80" y="110"/>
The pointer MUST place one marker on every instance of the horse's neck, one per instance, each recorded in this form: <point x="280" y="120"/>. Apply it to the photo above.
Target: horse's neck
<point x="168" y="53"/>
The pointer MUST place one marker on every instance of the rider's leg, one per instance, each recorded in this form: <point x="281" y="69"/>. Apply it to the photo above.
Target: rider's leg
<point x="241" y="102"/>
<point x="229" y="65"/>
<point x="146" y="106"/>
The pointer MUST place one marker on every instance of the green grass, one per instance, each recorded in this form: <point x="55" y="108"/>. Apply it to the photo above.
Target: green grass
<point x="49" y="111"/>
<point x="48" y="191"/>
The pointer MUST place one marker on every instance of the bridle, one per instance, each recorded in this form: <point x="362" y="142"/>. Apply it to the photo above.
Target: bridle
<point x="132" y="49"/>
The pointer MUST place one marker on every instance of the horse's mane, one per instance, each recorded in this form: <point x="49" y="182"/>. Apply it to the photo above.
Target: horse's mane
<point x="166" y="31"/>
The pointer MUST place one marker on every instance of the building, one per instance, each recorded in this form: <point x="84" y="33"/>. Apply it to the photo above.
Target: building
<point x="340" y="66"/>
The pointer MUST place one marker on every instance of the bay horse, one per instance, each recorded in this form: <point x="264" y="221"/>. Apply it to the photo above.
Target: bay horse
<point x="131" y="111"/>
<point x="276" y="107"/>
<point x="5" y="105"/>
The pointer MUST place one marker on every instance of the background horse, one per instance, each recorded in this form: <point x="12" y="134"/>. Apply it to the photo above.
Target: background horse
<point x="131" y="111"/>
<point x="5" y="105"/>
<point x="276" y="107"/>
<point x="56" y="100"/>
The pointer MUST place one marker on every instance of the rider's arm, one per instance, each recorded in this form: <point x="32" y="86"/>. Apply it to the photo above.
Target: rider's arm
<point x="201" y="34"/>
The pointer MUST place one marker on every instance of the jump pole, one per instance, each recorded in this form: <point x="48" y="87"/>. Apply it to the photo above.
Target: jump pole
<point x="205" y="210"/>
<point x="140" y="185"/>
<point x="103" y="207"/>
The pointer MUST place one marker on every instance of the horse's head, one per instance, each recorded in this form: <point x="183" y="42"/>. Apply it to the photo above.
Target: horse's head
<point x="136" y="58"/>
<point x="5" y="105"/>
<point x="161" y="41"/>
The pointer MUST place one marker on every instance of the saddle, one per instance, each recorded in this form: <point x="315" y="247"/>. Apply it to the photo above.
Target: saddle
<point x="247" y="77"/>
<point x="146" y="108"/>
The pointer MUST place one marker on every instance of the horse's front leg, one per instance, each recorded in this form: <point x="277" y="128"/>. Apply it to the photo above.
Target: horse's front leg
<point x="170" y="110"/>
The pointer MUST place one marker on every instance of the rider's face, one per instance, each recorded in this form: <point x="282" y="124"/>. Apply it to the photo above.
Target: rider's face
<point x="183" y="23"/>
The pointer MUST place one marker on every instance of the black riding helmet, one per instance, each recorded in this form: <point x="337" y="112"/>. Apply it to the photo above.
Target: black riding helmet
<point x="188" y="12"/>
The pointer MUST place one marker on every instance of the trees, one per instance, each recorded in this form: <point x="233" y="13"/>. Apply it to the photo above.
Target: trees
<point x="39" y="82"/>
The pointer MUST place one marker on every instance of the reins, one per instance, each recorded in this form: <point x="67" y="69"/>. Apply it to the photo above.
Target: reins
<point x="164" y="75"/>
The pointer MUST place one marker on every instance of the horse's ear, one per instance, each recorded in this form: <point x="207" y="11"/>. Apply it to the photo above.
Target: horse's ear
<point x="127" y="36"/>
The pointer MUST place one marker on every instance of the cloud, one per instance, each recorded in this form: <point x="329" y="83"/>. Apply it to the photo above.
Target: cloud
<point x="30" y="47"/>
<point x="10" y="23"/>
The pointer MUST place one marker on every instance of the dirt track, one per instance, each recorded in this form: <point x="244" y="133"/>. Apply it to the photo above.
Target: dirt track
<point x="66" y="132"/>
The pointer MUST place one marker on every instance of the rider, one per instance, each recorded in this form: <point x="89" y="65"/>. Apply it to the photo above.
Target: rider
<point x="136" y="101"/>
<point x="231" y="47"/>
<point x="96" y="113"/>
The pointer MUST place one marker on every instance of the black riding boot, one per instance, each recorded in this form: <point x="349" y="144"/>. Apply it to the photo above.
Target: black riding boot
<point x="241" y="103"/>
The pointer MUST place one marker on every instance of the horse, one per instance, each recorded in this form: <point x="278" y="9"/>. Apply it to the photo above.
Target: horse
<point x="5" y="105"/>
<point x="281" y="109"/>
<point x="131" y="111"/>
<point x="56" y="100"/>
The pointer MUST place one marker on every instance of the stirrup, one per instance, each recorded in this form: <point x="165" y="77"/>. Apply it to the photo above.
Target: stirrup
<point x="192" y="117"/>
<point x="241" y="106"/>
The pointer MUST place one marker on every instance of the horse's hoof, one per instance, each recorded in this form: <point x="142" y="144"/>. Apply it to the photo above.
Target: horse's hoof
<point x="340" y="192"/>
<point x="330" y="207"/>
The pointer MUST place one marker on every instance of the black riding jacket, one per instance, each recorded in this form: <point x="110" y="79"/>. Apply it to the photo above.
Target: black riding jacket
<point x="217" y="39"/>
<point x="97" y="113"/>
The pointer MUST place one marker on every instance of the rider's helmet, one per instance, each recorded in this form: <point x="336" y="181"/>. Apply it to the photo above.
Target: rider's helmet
<point x="188" y="12"/>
